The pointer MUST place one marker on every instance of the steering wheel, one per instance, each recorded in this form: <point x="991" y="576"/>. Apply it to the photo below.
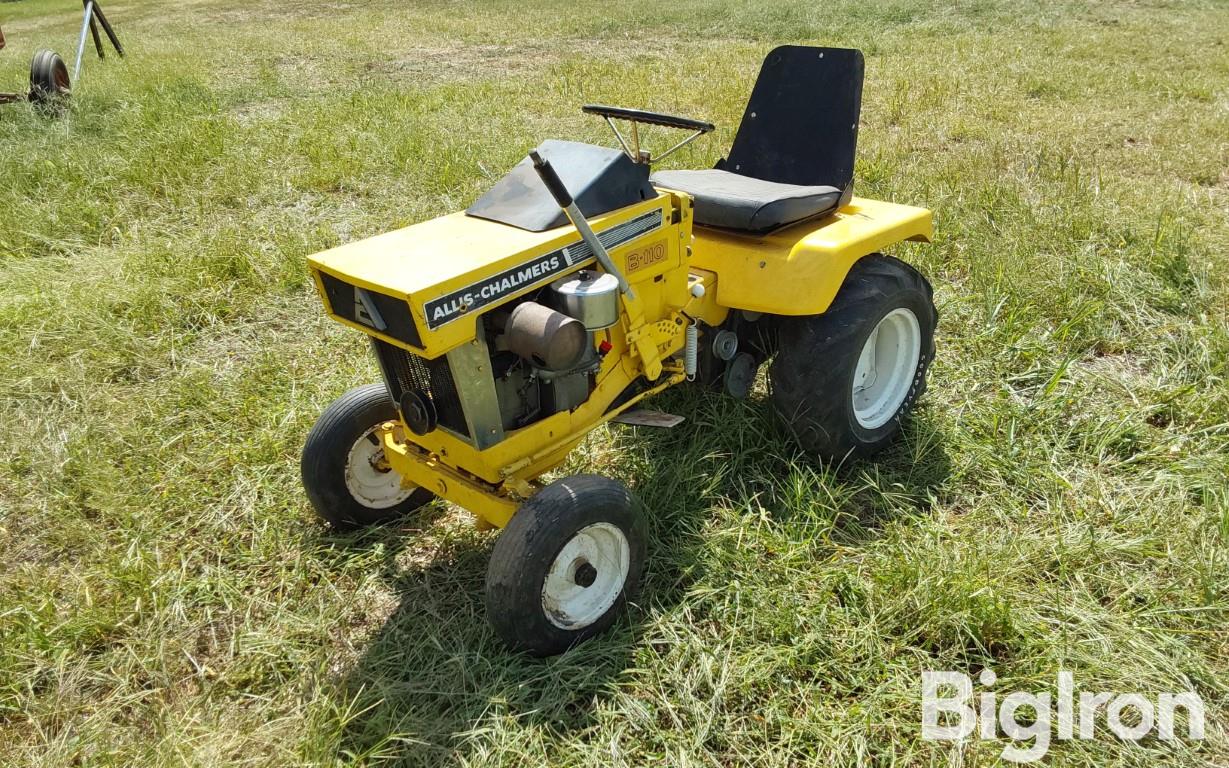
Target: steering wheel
<point x="637" y="116"/>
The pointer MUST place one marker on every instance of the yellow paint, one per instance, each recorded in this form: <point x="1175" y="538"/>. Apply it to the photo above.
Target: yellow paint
<point x="799" y="269"/>
<point x="794" y="271"/>
<point x="506" y="469"/>
<point x="417" y="467"/>
<point x="705" y="307"/>
<point x="433" y="259"/>
<point x="647" y="256"/>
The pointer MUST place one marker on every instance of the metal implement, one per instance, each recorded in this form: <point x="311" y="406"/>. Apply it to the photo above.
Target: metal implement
<point x="470" y="364"/>
<point x="89" y="23"/>
<point x="637" y="116"/>
<point x="546" y="338"/>
<point x="691" y="351"/>
<point x="725" y="345"/>
<point x="644" y="417"/>
<point x="562" y="299"/>
<point x="569" y="294"/>
<point x="49" y="81"/>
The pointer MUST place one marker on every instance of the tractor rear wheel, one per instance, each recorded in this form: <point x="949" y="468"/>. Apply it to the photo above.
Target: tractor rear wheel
<point x="345" y="474"/>
<point x="843" y="381"/>
<point x="565" y="565"/>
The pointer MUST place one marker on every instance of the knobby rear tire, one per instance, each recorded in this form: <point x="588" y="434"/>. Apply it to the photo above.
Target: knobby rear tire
<point x="812" y="375"/>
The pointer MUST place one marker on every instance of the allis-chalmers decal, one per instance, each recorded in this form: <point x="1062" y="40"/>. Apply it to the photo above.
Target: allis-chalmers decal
<point x="540" y="270"/>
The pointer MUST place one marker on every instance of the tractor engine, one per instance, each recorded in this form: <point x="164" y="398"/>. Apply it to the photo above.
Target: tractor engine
<point x="497" y="318"/>
<point x="541" y="354"/>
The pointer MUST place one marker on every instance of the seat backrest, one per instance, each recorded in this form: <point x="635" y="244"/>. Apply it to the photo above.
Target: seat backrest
<point x="801" y="123"/>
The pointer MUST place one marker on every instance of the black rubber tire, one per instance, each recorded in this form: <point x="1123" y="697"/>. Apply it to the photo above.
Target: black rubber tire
<point x="528" y="546"/>
<point x="48" y="78"/>
<point x="328" y="446"/>
<point x="812" y="373"/>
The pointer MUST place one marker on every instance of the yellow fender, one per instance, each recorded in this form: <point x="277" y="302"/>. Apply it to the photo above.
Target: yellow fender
<point x="798" y="270"/>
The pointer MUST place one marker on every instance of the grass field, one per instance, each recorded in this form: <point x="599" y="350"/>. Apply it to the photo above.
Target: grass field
<point x="1060" y="499"/>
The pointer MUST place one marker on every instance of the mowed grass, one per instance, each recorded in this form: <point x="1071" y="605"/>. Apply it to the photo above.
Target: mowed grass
<point x="1060" y="499"/>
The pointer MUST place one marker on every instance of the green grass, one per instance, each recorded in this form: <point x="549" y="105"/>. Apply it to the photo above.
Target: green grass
<point x="1060" y="500"/>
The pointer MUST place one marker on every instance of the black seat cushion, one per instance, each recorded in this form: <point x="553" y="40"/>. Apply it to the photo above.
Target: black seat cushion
<point x="728" y="200"/>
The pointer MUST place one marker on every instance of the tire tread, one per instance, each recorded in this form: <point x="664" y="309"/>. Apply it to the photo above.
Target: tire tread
<point x="817" y="353"/>
<point x="322" y="464"/>
<point x="528" y="546"/>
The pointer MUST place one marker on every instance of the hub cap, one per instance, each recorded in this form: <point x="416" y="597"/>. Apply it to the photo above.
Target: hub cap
<point x="586" y="576"/>
<point x="369" y="479"/>
<point x="886" y="368"/>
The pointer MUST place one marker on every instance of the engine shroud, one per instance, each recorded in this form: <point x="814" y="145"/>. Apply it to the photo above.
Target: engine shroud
<point x="424" y="287"/>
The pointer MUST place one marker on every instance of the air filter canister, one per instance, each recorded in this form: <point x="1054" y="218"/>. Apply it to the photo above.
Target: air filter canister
<point x="590" y="297"/>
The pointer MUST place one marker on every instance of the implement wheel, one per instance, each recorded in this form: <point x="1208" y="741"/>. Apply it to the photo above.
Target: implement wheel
<point x="345" y="474"/>
<point x="565" y="565"/>
<point x="48" y="78"/>
<point x="843" y="381"/>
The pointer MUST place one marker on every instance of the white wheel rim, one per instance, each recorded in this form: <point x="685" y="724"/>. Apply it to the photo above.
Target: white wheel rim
<point x="599" y="556"/>
<point x="369" y="479"/>
<point x="886" y="367"/>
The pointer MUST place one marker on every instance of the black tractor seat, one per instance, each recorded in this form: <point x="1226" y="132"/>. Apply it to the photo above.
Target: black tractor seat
<point x="793" y="156"/>
<point x="732" y="201"/>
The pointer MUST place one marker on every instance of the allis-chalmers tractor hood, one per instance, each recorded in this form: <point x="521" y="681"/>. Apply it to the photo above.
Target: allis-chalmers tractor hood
<point x="420" y="287"/>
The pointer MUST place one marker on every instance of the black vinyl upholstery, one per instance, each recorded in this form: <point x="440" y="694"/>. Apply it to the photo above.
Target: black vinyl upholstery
<point x="793" y="156"/>
<point x="732" y="201"/>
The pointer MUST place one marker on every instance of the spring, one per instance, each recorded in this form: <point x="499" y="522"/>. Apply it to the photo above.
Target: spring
<point x="691" y="349"/>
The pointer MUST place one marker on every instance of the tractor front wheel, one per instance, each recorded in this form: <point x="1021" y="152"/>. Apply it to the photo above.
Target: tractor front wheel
<point x="843" y="381"/>
<point x="345" y="474"/>
<point x="566" y="563"/>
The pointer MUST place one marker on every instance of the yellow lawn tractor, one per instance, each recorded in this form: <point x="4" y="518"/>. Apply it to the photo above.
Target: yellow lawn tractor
<point x="581" y="284"/>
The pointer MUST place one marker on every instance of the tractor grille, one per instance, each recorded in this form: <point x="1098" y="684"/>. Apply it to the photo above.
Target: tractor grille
<point x="404" y="370"/>
<point x="394" y="314"/>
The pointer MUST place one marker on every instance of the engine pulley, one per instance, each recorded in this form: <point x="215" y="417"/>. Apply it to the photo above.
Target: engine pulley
<point x="418" y="412"/>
